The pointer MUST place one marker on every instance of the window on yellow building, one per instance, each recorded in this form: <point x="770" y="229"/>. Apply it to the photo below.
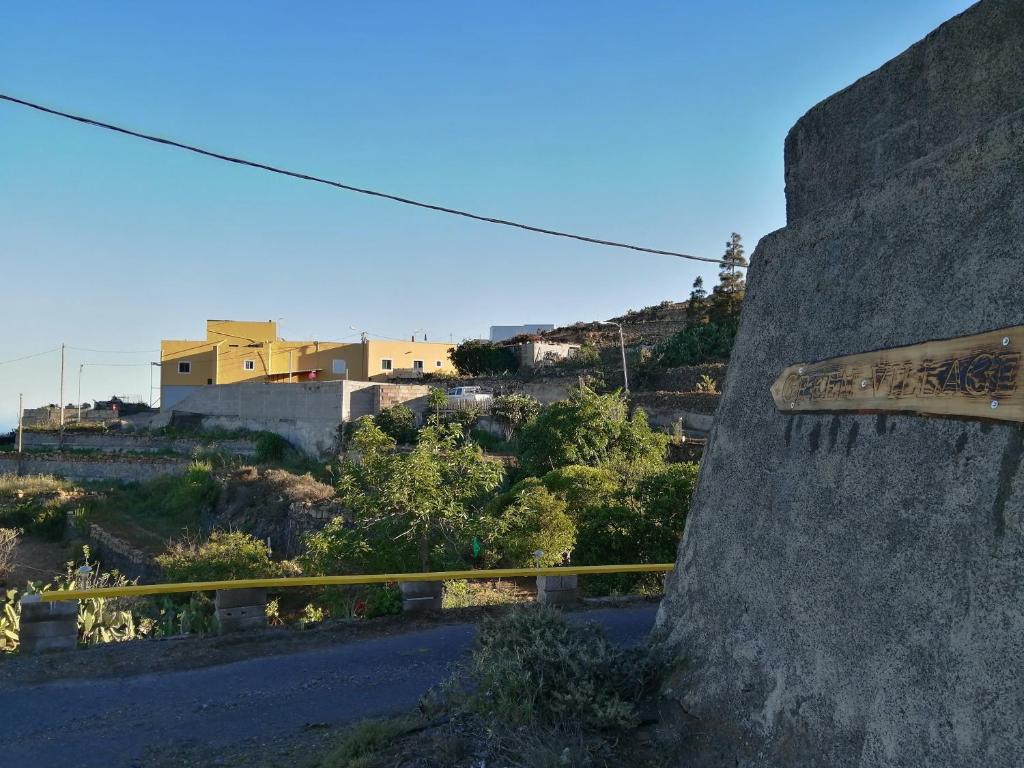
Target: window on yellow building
<point x="339" y="367"/>
<point x="417" y="365"/>
<point x="437" y="363"/>
<point x="249" y="365"/>
<point x="185" y="367"/>
<point x="385" y="364"/>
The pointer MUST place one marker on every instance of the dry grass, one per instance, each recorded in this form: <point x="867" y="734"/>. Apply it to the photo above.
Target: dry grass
<point x="9" y="538"/>
<point x="27" y="486"/>
<point x="471" y="594"/>
<point x="298" y="488"/>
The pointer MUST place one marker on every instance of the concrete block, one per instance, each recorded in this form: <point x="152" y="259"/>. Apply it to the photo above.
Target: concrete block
<point x="557" y="590"/>
<point x="240" y="610"/>
<point x="418" y="596"/>
<point x="48" y="626"/>
<point x="235" y="598"/>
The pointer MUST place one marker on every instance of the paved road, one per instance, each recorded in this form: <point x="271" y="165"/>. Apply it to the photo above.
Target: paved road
<point x="113" y="723"/>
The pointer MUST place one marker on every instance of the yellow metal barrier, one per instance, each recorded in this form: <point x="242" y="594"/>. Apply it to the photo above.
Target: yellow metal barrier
<point x="322" y="581"/>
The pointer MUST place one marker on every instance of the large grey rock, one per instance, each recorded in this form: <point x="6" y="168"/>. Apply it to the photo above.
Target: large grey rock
<point x="849" y="588"/>
<point x="955" y="82"/>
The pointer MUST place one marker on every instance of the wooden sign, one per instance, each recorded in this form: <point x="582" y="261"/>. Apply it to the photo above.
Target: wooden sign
<point x="974" y="376"/>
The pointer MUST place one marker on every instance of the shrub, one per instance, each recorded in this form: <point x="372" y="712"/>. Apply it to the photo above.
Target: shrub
<point x="225" y="555"/>
<point x="100" y="619"/>
<point x="398" y="422"/>
<point x="49" y="523"/>
<point x="593" y="430"/>
<point x="706" y="384"/>
<point x="532" y="667"/>
<point x="534" y="521"/>
<point x="363" y="743"/>
<point x="478" y="357"/>
<point x="705" y="343"/>
<point x="642" y="525"/>
<point x="513" y="411"/>
<point x="583" y="357"/>
<point x="270" y="446"/>
<point x="408" y="510"/>
<point x="382" y="600"/>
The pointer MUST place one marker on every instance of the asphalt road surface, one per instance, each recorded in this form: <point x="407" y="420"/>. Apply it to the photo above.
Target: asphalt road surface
<point x="118" y="722"/>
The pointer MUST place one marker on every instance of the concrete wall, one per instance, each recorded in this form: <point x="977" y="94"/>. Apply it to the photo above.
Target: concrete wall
<point x="412" y="395"/>
<point x="125" y="469"/>
<point x="114" y="442"/>
<point x="307" y="415"/>
<point x="48" y="416"/>
<point x="849" y="588"/>
<point x="171" y="395"/>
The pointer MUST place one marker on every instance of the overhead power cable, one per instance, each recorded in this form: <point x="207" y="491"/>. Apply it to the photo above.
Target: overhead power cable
<point x="28" y="357"/>
<point x="349" y="187"/>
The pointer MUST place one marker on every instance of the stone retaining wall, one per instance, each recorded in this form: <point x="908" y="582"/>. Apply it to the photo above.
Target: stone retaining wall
<point x="303" y="519"/>
<point x="696" y="410"/>
<point x="681" y="379"/>
<point x="114" y="553"/>
<point x="115" y="442"/>
<point x="127" y="469"/>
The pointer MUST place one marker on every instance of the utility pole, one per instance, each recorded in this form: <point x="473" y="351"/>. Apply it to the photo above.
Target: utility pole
<point x="60" y="401"/>
<point x="151" y="367"/>
<point x="21" y="424"/>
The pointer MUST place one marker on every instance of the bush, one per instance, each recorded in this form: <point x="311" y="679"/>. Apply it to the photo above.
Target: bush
<point x="642" y="525"/>
<point x="398" y="422"/>
<point x="534" y="521"/>
<point x="705" y="343"/>
<point x="586" y="356"/>
<point x="513" y="411"/>
<point x="593" y="430"/>
<point x="225" y="555"/>
<point x="49" y="523"/>
<point x="532" y="667"/>
<point x="382" y="600"/>
<point x="479" y="358"/>
<point x="270" y="446"/>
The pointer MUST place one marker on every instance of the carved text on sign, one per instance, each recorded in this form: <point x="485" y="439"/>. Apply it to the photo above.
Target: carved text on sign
<point x="976" y="376"/>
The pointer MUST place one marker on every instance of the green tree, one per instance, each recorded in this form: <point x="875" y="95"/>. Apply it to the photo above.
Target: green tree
<point x="437" y="401"/>
<point x="589" y="429"/>
<point x="407" y="510"/>
<point x="513" y="411"/>
<point x="727" y="298"/>
<point x="641" y="523"/>
<point x="697" y="306"/>
<point x="478" y="358"/>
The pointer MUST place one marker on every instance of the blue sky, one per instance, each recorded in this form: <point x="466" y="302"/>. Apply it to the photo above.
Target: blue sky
<point x="655" y="123"/>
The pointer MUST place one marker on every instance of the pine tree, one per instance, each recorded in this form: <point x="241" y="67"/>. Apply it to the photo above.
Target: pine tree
<point x="727" y="298"/>
<point x="697" y="306"/>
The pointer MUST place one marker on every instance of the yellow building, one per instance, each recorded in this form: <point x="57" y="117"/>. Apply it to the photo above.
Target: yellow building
<point x="236" y="350"/>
